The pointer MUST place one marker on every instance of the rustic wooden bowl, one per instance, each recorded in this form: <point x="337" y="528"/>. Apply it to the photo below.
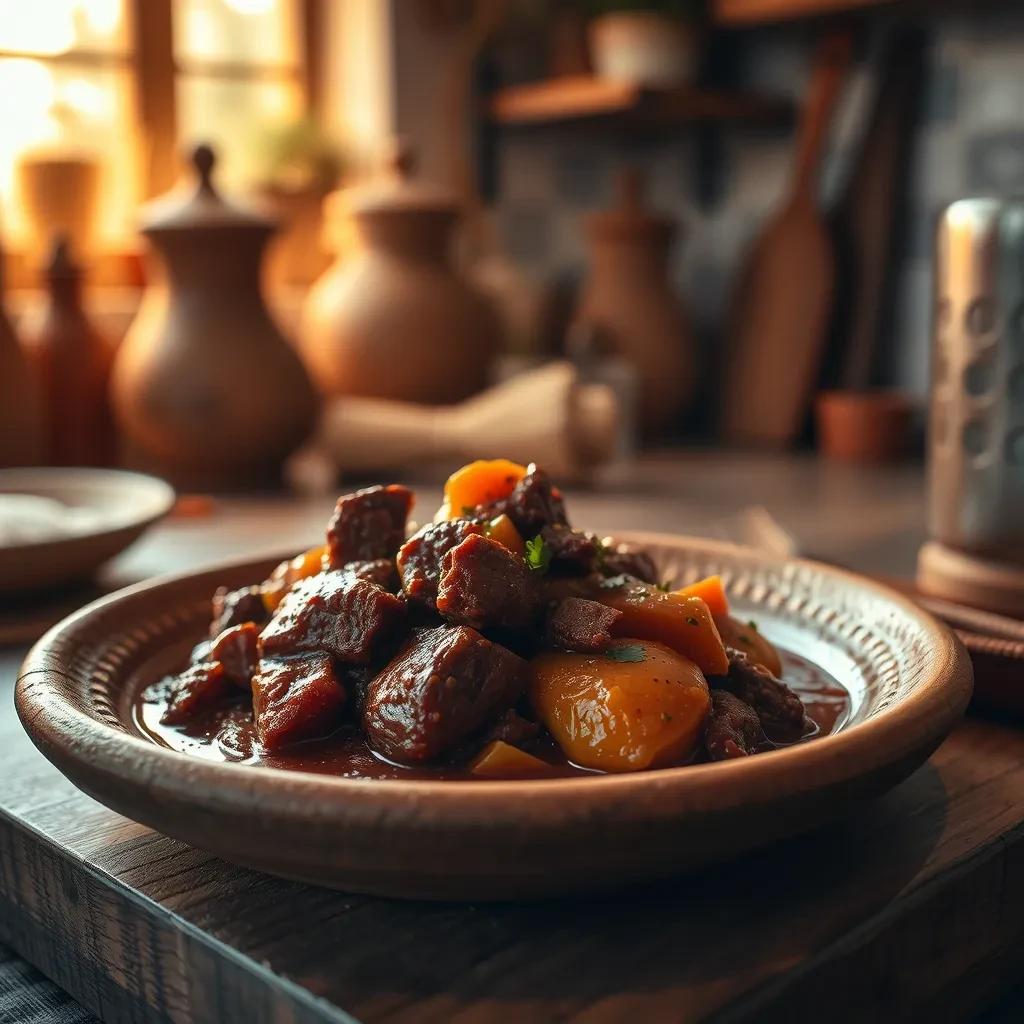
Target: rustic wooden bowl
<point x="908" y="676"/>
<point x="126" y="504"/>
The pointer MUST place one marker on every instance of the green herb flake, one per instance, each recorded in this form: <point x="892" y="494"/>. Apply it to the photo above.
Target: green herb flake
<point x="538" y="554"/>
<point x="665" y="586"/>
<point x="666" y="717"/>
<point x="753" y="625"/>
<point x="468" y="511"/>
<point x="692" y="620"/>
<point x="746" y="638"/>
<point x="631" y="653"/>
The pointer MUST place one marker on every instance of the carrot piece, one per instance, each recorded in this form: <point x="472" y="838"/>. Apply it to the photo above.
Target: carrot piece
<point x="480" y="483"/>
<point x="683" y="623"/>
<point x="711" y="591"/>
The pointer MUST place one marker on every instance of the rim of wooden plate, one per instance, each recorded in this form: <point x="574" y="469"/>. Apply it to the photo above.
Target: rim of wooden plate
<point x="51" y="691"/>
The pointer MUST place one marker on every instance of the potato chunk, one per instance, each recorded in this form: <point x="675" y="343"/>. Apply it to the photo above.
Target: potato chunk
<point x="640" y="705"/>
<point x="500" y="760"/>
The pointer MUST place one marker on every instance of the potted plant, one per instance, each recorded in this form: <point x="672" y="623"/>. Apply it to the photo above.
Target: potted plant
<point x="647" y="42"/>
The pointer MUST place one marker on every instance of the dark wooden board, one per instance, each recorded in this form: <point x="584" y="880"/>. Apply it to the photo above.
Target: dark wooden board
<point x="912" y="906"/>
<point x="915" y="902"/>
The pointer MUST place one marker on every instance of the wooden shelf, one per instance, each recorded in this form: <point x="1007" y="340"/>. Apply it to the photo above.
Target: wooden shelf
<point x="584" y="98"/>
<point x="754" y="12"/>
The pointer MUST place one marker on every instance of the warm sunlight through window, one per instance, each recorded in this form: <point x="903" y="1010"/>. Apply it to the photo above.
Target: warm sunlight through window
<point x="239" y="78"/>
<point x="67" y="146"/>
<point x="97" y="94"/>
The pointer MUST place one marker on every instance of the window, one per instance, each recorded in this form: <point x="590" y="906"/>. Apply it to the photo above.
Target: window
<point x="65" y="107"/>
<point x="98" y="98"/>
<point x="239" y="73"/>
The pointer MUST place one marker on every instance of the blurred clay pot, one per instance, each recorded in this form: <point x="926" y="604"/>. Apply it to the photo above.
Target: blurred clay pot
<point x="863" y="426"/>
<point x="628" y="298"/>
<point x="206" y="389"/>
<point x="393" y="318"/>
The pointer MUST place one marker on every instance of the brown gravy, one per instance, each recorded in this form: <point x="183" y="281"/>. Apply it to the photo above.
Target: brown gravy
<point x="227" y="734"/>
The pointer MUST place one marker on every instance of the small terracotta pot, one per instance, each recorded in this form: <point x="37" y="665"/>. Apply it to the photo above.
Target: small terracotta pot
<point x="863" y="426"/>
<point x="643" y="47"/>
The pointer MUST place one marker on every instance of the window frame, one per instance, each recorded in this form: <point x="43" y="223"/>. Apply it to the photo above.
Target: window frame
<point x="155" y="71"/>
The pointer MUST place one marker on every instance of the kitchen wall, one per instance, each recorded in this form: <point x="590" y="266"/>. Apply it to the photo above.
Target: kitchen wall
<point x="970" y="141"/>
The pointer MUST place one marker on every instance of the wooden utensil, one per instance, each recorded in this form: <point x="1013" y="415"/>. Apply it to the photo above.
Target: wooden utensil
<point x="782" y="304"/>
<point x="868" y="214"/>
<point x="570" y="426"/>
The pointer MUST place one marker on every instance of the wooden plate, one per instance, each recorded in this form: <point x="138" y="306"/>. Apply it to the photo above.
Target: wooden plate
<point x="124" y="505"/>
<point x="908" y="676"/>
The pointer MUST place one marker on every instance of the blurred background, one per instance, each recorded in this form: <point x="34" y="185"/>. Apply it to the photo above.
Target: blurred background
<point x="722" y="214"/>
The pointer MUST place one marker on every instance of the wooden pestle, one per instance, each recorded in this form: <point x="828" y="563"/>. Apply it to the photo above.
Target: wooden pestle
<point x="544" y="415"/>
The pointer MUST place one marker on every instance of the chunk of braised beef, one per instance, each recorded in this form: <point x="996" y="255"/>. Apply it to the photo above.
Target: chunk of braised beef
<point x="511" y="728"/>
<point x="483" y="584"/>
<point x="533" y="504"/>
<point x="624" y="560"/>
<point x="381" y="571"/>
<point x="356" y="681"/>
<point x="367" y="525"/>
<point x="572" y="551"/>
<point x="295" y="698"/>
<point x="576" y="624"/>
<point x="337" y="613"/>
<point x="733" y="728"/>
<point x="235" y="649"/>
<point x="233" y="607"/>
<point x="443" y="686"/>
<point x="419" y="558"/>
<point x="196" y="690"/>
<point x="779" y="709"/>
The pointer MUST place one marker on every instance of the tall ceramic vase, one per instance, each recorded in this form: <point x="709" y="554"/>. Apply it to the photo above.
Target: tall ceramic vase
<point x="629" y="298"/>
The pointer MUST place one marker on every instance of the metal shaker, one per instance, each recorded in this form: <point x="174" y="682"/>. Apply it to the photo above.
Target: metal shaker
<point x="976" y="415"/>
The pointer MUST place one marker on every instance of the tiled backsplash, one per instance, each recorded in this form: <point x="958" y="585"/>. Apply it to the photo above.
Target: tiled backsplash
<point x="970" y="141"/>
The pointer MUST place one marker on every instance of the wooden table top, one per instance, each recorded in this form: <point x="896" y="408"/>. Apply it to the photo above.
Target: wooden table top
<point x="912" y="905"/>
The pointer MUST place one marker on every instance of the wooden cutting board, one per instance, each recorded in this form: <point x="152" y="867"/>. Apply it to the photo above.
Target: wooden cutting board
<point x="782" y="304"/>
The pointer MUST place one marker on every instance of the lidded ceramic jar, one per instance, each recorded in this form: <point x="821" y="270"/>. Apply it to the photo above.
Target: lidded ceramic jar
<point x="206" y="389"/>
<point x="394" y="319"/>
<point x="628" y="297"/>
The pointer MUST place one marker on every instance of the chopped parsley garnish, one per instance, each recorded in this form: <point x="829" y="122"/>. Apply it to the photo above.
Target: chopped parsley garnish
<point x="665" y="586"/>
<point x="692" y="620"/>
<point x="538" y="554"/>
<point x="626" y="652"/>
<point x="752" y="624"/>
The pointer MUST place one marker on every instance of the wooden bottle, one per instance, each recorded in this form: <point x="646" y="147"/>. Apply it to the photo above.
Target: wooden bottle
<point x="74" y="369"/>
<point x="20" y="427"/>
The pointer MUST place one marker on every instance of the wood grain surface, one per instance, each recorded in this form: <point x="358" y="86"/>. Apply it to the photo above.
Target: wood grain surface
<point x="910" y="907"/>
